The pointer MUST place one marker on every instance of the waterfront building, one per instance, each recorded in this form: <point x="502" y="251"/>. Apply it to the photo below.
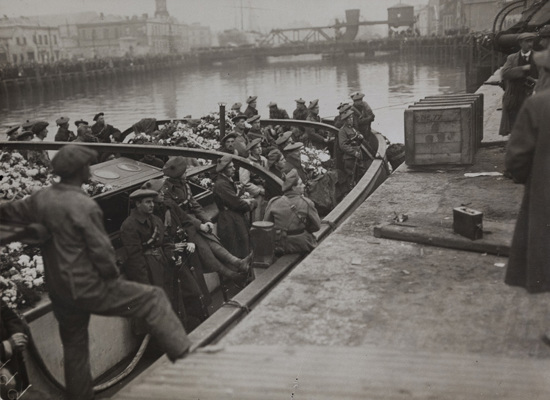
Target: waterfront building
<point x="199" y="36"/>
<point x="24" y="40"/>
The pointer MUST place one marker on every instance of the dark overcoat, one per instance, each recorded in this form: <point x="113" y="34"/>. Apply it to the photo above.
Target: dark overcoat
<point x="528" y="160"/>
<point x="232" y="223"/>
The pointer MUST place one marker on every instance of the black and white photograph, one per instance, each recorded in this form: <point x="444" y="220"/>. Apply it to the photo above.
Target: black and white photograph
<point x="274" y="199"/>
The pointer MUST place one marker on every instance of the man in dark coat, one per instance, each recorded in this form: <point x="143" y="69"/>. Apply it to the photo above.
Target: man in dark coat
<point x="294" y="216"/>
<point x="350" y="159"/>
<point x="276" y="112"/>
<point x="233" y="225"/>
<point x="241" y="139"/>
<point x="300" y="113"/>
<point x="227" y="144"/>
<point x="103" y="131"/>
<point x="81" y="272"/>
<point x="251" y="110"/>
<point x="519" y="74"/>
<point x="292" y="153"/>
<point x="13" y="340"/>
<point x="63" y="133"/>
<point x="363" y="113"/>
<point x="342" y="109"/>
<point x="214" y="255"/>
<point x="318" y="138"/>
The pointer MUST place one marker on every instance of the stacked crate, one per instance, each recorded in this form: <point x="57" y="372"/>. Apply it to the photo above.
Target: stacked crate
<point x="444" y="129"/>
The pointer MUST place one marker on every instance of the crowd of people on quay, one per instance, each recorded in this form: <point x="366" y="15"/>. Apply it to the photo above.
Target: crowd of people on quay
<point x="168" y="239"/>
<point x="32" y="69"/>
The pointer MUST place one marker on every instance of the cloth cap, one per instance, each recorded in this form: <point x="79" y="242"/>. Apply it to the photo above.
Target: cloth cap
<point x="80" y="121"/>
<point x="346" y="115"/>
<point x="253" y="144"/>
<point x="236" y="118"/>
<point x="236" y="106"/>
<point x="313" y="103"/>
<point x="254" y="118"/>
<point x="24" y="134"/>
<point x="12" y="130"/>
<point x="300" y="101"/>
<point x="274" y="156"/>
<point x="544" y="31"/>
<point x="542" y="59"/>
<point x="39" y="126"/>
<point x="283" y="138"/>
<point x="293" y="146"/>
<point x="291" y="180"/>
<point x="62" y="120"/>
<point x="98" y="115"/>
<point x="223" y="162"/>
<point x="71" y="158"/>
<point x="357" y="96"/>
<point x="27" y="125"/>
<point x="526" y="36"/>
<point x="345" y="108"/>
<point x="251" y="99"/>
<point x="228" y="136"/>
<point x="272" y="104"/>
<point x="153" y="184"/>
<point x="142" y="193"/>
<point x="175" y="167"/>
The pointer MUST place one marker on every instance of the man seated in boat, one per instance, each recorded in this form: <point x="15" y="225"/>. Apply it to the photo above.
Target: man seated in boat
<point x="81" y="272"/>
<point x="227" y="144"/>
<point x="275" y="112"/>
<point x="252" y="183"/>
<point x="293" y="160"/>
<point x="362" y="113"/>
<point x="349" y="157"/>
<point x="300" y="113"/>
<point x="63" y="133"/>
<point x="318" y="138"/>
<point x="236" y="108"/>
<point x="103" y="131"/>
<point x="84" y="134"/>
<point x="284" y="140"/>
<point x="342" y="109"/>
<point x="251" y="110"/>
<point x="266" y="135"/>
<point x="188" y="214"/>
<point x="241" y="139"/>
<point x="41" y="157"/>
<point x="294" y="216"/>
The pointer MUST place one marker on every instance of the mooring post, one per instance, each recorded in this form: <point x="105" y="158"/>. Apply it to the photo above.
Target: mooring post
<point x="222" y="120"/>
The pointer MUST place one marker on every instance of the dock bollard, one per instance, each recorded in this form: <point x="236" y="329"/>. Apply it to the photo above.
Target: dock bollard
<point x="262" y="238"/>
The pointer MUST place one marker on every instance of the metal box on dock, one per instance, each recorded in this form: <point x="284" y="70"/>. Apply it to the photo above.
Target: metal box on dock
<point x="468" y="222"/>
<point x="439" y="135"/>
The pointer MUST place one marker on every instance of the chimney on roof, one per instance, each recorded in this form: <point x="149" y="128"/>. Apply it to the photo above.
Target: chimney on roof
<point x="161" y="10"/>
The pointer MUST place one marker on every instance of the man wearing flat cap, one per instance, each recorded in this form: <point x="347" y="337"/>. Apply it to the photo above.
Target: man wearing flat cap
<point x="342" y="108"/>
<point x="251" y="110"/>
<point x="63" y="133"/>
<point x="233" y="225"/>
<point x="300" y="113"/>
<point x="294" y="216"/>
<point x="292" y="153"/>
<point x="81" y="273"/>
<point x="236" y="108"/>
<point x="363" y="113"/>
<point x="241" y="139"/>
<point x="188" y="214"/>
<point x="227" y="144"/>
<point x="253" y="183"/>
<point x="520" y="75"/>
<point x="318" y="138"/>
<point x="12" y="132"/>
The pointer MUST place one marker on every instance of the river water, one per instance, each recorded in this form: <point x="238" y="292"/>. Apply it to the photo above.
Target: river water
<point x="390" y="85"/>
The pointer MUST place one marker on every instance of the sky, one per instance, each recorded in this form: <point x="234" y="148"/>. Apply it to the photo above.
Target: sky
<point x="261" y="15"/>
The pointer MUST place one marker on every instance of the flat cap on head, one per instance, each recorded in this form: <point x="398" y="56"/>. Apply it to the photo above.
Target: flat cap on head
<point x="27" y="125"/>
<point x="236" y="106"/>
<point x="96" y="117"/>
<point x="253" y="119"/>
<point x="39" y="126"/>
<point x="300" y="101"/>
<point x="251" y="99"/>
<point x="71" y="158"/>
<point x="283" y="138"/>
<point x="153" y="184"/>
<point x="357" y="96"/>
<point x="237" y="118"/>
<point x="291" y="180"/>
<point x="62" y="120"/>
<point x="313" y="103"/>
<point x="143" y="193"/>
<point x="24" y="135"/>
<point x="175" y="167"/>
<point x="293" y="146"/>
<point x="228" y="136"/>
<point x="346" y="115"/>
<point x="12" y="130"/>
<point x="223" y="162"/>
<point x="253" y="143"/>
<point x="526" y="36"/>
<point x="80" y="121"/>
<point x="274" y="156"/>
<point x="272" y="104"/>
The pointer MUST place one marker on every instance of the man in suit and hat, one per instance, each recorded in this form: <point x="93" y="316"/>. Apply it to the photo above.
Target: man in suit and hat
<point x="251" y="110"/>
<point x="81" y="273"/>
<point x="191" y="216"/>
<point x="519" y="74"/>
<point x="349" y="159"/>
<point x="300" y="113"/>
<point x="363" y="113"/>
<point x="294" y="216"/>
<point x="276" y="112"/>
<point x="233" y="225"/>
<point x="241" y="139"/>
<point x="252" y="183"/>
<point x="227" y="144"/>
<point x="63" y="133"/>
<point x="103" y="131"/>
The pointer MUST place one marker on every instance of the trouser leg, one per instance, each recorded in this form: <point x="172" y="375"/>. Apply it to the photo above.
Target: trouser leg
<point x="73" y="329"/>
<point x="135" y="300"/>
<point x="222" y="254"/>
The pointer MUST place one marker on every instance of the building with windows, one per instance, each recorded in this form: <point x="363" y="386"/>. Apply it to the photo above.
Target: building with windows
<point x="24" y="40"/>
<point x="199" y="36"/>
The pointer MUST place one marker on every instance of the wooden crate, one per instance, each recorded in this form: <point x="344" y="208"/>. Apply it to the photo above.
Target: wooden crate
<point x="439" y="135"/>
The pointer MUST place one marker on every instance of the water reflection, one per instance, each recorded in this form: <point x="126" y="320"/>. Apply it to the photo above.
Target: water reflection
<point x="390" y="85"/>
